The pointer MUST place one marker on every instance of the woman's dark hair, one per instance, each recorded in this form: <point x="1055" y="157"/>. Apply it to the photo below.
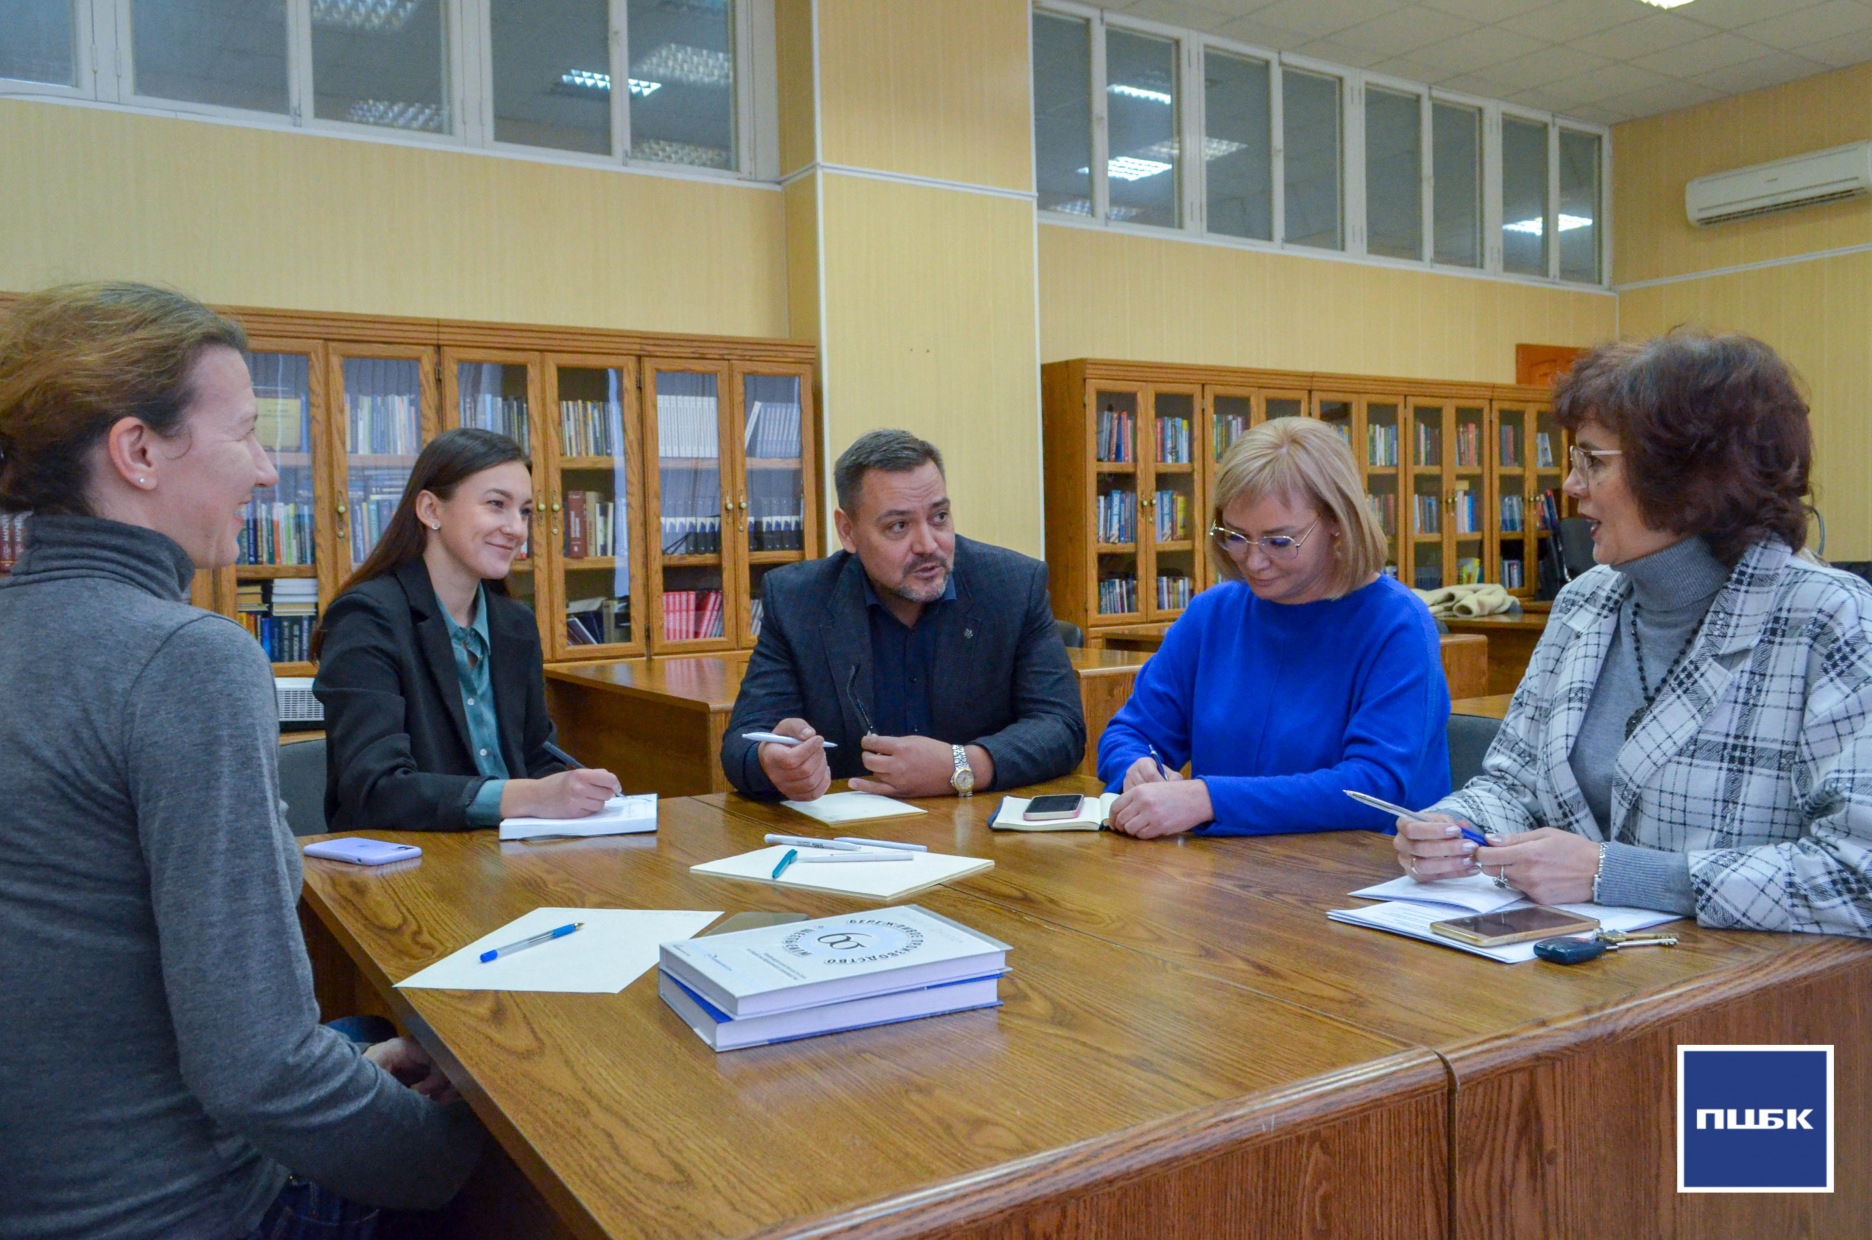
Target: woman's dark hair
<point x="450" y="459"/>
<point x="76" y="359"/>
<point x="1714" y="432"/>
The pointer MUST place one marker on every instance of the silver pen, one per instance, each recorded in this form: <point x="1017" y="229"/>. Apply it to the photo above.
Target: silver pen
<point x="807" y="841"/>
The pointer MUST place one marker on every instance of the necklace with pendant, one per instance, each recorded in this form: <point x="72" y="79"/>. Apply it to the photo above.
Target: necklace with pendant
<point x="1644" y="682"/>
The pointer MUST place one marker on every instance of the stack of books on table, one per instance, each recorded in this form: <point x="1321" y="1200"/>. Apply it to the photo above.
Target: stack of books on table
<point x="778" y="983"/>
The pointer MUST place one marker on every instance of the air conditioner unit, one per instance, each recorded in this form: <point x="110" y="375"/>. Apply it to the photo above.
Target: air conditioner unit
<point x="1801" y="181"/>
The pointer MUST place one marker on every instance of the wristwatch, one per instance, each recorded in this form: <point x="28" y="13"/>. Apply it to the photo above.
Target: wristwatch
<point x="963" y="781"/>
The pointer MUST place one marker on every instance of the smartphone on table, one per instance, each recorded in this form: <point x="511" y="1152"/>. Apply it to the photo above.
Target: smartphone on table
<point x="1514" y="925"/>
<point x="360" y="851"/>
<point x="1053" y="807"/>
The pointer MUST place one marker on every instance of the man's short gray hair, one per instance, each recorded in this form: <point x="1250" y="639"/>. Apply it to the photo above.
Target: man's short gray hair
<point x="894" y="452"/>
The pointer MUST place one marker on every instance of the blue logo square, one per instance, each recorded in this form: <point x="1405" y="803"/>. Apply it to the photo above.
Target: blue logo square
<point x="1755" y="1119"/>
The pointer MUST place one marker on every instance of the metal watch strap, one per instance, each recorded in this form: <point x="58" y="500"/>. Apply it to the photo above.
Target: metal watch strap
<point x="961" y="765"/>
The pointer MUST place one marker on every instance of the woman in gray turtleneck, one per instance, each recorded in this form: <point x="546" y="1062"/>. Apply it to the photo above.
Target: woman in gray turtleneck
<point x="1694" y="732"/>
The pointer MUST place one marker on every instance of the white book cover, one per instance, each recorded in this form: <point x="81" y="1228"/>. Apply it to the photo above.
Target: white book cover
<point x="631" y="815"/>
<point x="723" y="1032"/>
<point x="1475" y="892"/>
<point x="841" y="807"/>
<point x="1412" y="920"/>
<point x="880" y="881"/>
<point x="806" y="964"/>
<point x="1092" y="815"/>
<point x="610" y="950"/>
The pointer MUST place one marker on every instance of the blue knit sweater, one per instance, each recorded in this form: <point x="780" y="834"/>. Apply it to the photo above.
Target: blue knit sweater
<point x="1281" y="707"/>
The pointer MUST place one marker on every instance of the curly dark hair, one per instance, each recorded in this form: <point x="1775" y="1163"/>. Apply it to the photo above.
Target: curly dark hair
<point x="1714" y="431"/>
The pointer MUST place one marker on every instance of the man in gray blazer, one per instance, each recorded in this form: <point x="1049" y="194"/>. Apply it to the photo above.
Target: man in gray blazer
<point x="914" y="662"/>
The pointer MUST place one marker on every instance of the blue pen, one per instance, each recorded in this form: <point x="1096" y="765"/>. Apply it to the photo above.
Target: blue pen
<point x="792" y="855"/>
<point x="1158" y="759"/>
<point x="497" y="952"/>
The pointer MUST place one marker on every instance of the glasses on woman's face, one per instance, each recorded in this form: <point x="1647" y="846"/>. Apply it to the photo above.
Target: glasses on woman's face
<point x="1274" y="546"/>
<point x="1589" y="464"/>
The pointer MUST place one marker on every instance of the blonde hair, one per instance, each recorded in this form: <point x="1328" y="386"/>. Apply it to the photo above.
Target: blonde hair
<point x="1299" y="459"/>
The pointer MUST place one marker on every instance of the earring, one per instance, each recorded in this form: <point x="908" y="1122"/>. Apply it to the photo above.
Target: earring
<point x="142" y="482"/>
<point x="437" y="527"/>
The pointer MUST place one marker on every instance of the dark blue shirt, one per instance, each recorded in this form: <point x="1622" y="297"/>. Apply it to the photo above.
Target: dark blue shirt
<point x="902" y="658"/>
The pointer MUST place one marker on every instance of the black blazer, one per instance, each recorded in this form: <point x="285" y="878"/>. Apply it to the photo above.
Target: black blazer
<point x="1003" y="680"/>
<point x="397" y="756"/>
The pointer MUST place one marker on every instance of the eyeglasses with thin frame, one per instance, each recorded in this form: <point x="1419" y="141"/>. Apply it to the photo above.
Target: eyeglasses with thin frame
<point x="1587" y="461"/>
<point x="1274" y="546"/>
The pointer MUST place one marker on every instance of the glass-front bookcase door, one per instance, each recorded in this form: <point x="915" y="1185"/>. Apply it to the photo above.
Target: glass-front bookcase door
<point x="273" y="589"/>
<point x="1379" y="450"/>
<point x="1515" y="520"/>
<point x="1115" y="486"/>
<point x="384" y="409"/>
<point x="1172" y="495"/>
<point x="591" y="497"/>
<point x="773" y="523"/>
<point x="1470" y="547"/>
<point x="1427" y="459"/>
<point x="1545" y="478"/>
<point x="694" y="566"/>
<point x="500" y="392"/>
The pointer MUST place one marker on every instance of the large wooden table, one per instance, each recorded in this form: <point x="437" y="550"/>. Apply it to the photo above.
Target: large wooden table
<point x="657" y="724"/>
<point x="1188" y="1048"/>
<point x="1511" y="642"/>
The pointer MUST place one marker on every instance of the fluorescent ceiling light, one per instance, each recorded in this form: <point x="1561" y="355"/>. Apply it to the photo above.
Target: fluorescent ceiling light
<point x="663" y="151"/>
<point x="1138" y="92"/>
<point x="1667" y="4"/>
<point x="424" y="117"/>
<point x="1127" y="168"/>
<point x="1536" y="226"/>
<point x="1213" y="148"/>
<point x="374" y="16"/>
<point x="586" y="79"/>
<point x="691" y="66"/>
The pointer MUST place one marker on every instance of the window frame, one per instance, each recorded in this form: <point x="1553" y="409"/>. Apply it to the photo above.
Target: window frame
<point x="1194" y="189"/>
<point x="103" y="57"/>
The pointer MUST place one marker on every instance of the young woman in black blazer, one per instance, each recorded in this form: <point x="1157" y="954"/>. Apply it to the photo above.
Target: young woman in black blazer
<point x="431" y="677"/>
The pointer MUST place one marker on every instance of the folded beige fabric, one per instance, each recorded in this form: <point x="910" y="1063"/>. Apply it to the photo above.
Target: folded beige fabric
<point x="1483" y="599"/>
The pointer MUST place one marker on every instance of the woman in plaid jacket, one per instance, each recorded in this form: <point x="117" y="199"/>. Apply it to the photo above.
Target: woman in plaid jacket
<point x="1694" y="732"/>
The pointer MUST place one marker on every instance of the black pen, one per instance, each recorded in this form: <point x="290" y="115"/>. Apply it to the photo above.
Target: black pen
<point x="553" y="751"/>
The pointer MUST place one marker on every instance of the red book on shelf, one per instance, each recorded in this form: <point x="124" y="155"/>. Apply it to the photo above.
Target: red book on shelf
<point x="711" y="612"/>
<point x="575" y="525"/>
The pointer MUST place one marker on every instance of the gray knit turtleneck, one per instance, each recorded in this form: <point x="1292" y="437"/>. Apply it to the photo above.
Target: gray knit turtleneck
<point x="1671" y="592"/>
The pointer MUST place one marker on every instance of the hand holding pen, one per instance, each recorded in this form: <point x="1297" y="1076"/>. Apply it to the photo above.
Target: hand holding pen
<point x="1150" y="769"/>
<point x="800" y="770"/>
<point x="1430" y="846"/>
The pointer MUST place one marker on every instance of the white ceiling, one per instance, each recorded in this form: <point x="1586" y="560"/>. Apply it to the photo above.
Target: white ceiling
<point x="1594" y="60"/>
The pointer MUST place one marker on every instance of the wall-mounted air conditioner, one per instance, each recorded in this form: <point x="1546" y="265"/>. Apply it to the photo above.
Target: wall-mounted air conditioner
<point x="1801" y="181"/>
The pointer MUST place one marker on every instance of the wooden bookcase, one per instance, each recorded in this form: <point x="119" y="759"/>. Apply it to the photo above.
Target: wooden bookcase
<point x="347" y="401"/>
<point x="1456" y="503"/>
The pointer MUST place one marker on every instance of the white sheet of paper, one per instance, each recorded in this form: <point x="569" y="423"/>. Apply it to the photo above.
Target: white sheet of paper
<point x="620" y="816"/>
<point x="840" y="807"/>
<point x="1413" y="921"/>
<point x="1477" y="892"/>
<point x="876" y="882"/>
<point x="614" y="948"/>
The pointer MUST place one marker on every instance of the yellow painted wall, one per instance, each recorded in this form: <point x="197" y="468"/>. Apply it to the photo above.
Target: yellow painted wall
<point x="264" y="218"/>
<point x="927" y="88"/>
<point x="929" y="326"/>
<point x="1119" y="295"/>
<point x="1817" y="312"/>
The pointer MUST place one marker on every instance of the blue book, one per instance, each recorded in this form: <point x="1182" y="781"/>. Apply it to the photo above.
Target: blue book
<point x="725" y="1033"/>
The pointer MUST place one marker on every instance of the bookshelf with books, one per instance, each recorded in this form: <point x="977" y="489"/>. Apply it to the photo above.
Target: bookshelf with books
<point x="501" y="391"/>
<point x="273" y="588"/>
<point x="690" y="484"/>
<point x="592" y="459"/>
<point x="774" y="525"/>
<point x="1430" y="458"/>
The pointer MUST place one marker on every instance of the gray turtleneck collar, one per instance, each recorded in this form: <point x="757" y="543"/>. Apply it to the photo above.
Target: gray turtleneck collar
<point x="60" y="547"/>
<point x="1682" y="576"/>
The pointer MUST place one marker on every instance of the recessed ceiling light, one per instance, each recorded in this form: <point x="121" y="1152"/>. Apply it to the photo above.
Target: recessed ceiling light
<point x="1667" y="4"/>
<point x="1139" y="92"/>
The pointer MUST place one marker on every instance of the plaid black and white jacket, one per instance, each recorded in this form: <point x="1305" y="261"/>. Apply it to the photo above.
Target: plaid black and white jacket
<point x="1756" y="759"/>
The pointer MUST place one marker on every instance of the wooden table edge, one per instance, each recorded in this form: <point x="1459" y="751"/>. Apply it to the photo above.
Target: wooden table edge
<point x="662" y="698"/>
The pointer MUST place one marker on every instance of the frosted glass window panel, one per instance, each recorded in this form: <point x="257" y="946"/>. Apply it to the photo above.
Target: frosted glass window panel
<point x="1456" y="165"/>
<point x="230" y="53"/>
<point x="1579" y="206"/>
<point x="1238" y="152"/>
<point x="1141" y="118"/>
<point x="1062" y="52"/>
<point x="552" y="73"/>
<point x="381" y="62"/>
<point x="36" y="42"/>
<point x="682" y="81"/>
<point x="1393" y="173"/>
<point x="1310" y="129"/>
<point x="1524" y="196"/>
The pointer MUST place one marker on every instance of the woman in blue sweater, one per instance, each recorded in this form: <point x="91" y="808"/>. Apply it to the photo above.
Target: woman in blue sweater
<point x="1304" y="672"/>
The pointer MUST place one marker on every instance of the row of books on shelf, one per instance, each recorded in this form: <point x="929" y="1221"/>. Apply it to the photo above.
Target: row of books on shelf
<point x="1384" y="507"/>
<point x="1429" y="514"/>
<point x="1509" y="450"/>
<point x="370" y="514"/>
<point x="1117" y="517"/>
<point x="1381" y="444"/>
<point x="384" y="425"/>
<point x="598" y="621"/>
<point x="1543" y="450"/>
<point x="1115" y="435"/>
<point x="1429" y="444"/>
<point x="1468" y="512"/>
<point x="1513" y="514"/>
<point x="1172" y="512"/>
<point x="591" y="428"/>
<point x="276" y="533"/>
<point x="1512" y="576"/>
<point x="12" y="539"/>
<point x="687" y="426"/>
<point x="691" y="615"/>
<point x="1228" y="428"/>
<point x="504" y="415"/>
<point x="280" y="614"/>
<point x="691" y="535"/>
<point x="595" y="524"/>
<point x="776" y="533"/>
<point x="1469" y="571"/>
<point x="1174" y="592"/>
<point x="1469" y="445"/>
<point x="1118" y="596"/>
<point x="1173" y="441"/>
<point x="773" y="431"/>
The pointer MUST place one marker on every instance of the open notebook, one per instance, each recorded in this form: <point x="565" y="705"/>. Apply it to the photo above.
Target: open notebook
<point x="876" y="882"/>
<point x="1092" y="816"/>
